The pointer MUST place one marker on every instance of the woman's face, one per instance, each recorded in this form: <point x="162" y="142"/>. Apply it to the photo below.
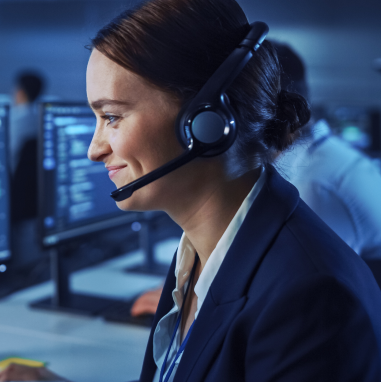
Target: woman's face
<point x="135" y="130"/>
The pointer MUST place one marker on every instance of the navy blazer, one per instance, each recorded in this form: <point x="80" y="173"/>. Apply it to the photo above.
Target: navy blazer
<point x="290" y="302"/>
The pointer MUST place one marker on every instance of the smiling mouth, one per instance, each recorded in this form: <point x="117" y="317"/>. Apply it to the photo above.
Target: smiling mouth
<point x="113" y="170"/>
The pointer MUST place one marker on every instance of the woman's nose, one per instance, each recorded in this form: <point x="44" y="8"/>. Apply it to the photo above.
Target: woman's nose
<point x="99" y="146"/>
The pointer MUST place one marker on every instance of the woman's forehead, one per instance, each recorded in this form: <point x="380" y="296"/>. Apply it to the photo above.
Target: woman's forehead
<point x="107" y="79"/>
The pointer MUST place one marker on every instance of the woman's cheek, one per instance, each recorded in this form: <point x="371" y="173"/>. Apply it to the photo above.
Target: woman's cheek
<point x="120" y="142"/>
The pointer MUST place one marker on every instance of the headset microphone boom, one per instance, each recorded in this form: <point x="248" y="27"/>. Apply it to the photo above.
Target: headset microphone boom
<point x="206" y="125"/>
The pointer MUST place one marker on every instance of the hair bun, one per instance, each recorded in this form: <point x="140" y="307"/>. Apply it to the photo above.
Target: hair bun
<point x="293" y="112"/>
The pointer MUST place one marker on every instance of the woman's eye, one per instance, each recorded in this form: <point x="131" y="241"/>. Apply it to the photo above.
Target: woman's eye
<point x="110" y="118"/>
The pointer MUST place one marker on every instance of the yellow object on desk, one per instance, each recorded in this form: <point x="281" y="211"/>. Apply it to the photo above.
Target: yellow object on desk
<point x="21" y="361"/>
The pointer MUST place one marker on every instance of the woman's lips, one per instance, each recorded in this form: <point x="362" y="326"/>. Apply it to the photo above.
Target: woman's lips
<point x="113" y="170"/>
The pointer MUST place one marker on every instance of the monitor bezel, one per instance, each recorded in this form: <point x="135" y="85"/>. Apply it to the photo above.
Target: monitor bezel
<point x="8" y="175"/>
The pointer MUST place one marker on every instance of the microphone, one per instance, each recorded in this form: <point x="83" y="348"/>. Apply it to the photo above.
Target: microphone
<point x="126" y="191"/>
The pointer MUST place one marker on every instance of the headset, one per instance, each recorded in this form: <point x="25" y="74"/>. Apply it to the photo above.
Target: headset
<point x="206" y="125"/>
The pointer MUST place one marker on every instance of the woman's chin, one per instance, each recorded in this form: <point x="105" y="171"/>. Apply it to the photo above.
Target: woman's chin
<point x="147" y="198"/>
<point x="133" y="204"/>
<point x="125" y="205"/>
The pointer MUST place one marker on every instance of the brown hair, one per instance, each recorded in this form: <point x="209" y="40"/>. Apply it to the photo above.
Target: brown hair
<point x="177" y="45"/>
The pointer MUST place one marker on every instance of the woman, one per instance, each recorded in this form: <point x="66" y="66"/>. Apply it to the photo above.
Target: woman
<point x="264" y="290"/>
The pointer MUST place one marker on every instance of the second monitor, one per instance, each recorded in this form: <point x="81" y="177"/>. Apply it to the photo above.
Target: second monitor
<point x="74" y="199"/>
<point x="74" y="192"/>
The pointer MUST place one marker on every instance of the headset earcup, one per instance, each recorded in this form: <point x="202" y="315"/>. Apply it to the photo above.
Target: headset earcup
<point x="228" y="137"/>
<point x="183" y="136"/>
<point x="213" y="126"/>
<point x="229" y="132"/>
<point x="208" y="127"/>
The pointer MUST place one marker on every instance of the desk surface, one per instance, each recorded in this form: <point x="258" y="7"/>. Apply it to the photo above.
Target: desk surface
<point x="83" y="349"/>
<point x="79" y="348"/>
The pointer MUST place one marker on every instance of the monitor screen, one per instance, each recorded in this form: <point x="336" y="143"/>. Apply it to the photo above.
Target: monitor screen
<point x="5" y="250"/>
<point x="356" y="125"/>
<point x="74" y="191"/>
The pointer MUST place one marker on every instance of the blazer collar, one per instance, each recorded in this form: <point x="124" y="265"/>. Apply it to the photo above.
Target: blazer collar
<point x="275" y="203"/>
<point x="227" y="294"/>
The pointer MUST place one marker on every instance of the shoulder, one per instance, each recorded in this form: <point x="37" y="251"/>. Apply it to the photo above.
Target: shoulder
<point x="311" y="238"/>
<point x="315" y="304"/>
<point x="337" y="162"/>
<point x="308" y="257"/>
<point x="346" y="195"/>
<point x="313" y="329"/>
<point x="343" y="186"/>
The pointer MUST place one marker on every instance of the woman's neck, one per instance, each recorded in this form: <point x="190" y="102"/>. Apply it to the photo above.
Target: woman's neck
<point x="205" y="221"/>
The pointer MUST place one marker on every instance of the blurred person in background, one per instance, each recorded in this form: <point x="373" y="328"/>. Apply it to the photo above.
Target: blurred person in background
<point x="338" y="182"/>
<point x="24" y="114"/>
<point x="23" y="134"/>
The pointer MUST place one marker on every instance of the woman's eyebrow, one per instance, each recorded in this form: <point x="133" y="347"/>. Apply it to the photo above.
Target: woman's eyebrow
<point x="99" y="104"/>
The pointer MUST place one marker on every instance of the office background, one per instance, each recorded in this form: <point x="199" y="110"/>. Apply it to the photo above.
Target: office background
<point x="340" y="42"/>
<point x="338" y="39"/>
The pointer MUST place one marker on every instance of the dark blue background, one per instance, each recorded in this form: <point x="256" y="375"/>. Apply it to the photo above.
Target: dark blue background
<point x="339" y="40"/>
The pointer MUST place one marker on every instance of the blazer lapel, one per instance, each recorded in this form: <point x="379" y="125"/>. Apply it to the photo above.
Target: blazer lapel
<point x="165" y="305"/>
<point x="207" y="335"/>
<point x="227" y="294"/>
<point x="273" y="206"/>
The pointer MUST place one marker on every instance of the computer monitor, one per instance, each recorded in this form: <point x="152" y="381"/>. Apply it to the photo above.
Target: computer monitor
<point x="5" y="239"/>
<point x="75" y="201"/>
<point x="74" y="191"/>
<point x="358" y="126"/>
